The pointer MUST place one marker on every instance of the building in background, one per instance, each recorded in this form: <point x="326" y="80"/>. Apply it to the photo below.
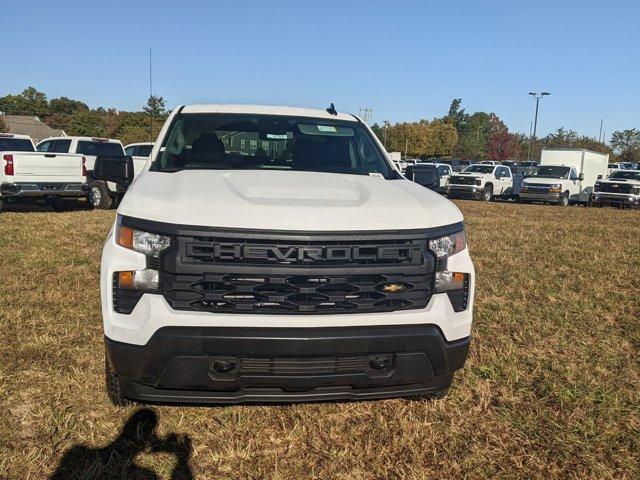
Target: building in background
<point x="30" y="125"/>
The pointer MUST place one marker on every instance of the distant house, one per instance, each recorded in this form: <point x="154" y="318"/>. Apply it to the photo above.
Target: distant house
<point x="29" y="125"/>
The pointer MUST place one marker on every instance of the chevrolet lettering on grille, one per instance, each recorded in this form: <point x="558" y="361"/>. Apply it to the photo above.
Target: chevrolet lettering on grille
<point x="228" y="251"/>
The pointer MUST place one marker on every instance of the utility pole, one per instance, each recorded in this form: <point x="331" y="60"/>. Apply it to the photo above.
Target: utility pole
<point x="600" y="137"/>
<point x="150" y="96"/>
<point x="537" y="96"/>
<point x="366" y="114"/>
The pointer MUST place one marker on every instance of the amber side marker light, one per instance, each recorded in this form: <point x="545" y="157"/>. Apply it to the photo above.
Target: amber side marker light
<point x="125" y="280"/>
<point x="125" y="237"/>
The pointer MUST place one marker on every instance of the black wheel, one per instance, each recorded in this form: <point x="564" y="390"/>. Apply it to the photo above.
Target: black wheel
<point x="112" y="383"/>
<point x="98" y="196"/>
<point x="563" y="201"/>
<point x="487" y="194"/>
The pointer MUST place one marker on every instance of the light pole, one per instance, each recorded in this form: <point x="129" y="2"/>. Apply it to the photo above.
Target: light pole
<point x="537" y="96"/>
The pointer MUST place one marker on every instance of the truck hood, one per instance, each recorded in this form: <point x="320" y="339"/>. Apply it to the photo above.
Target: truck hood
<point x="285" y="200"/>
<point x="620" y="180"/>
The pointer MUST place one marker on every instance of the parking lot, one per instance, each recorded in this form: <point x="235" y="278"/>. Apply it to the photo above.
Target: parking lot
<point x="551" y="387"/>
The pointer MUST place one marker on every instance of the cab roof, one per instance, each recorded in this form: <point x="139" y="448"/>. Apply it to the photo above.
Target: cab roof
<point x="267" y="110"/>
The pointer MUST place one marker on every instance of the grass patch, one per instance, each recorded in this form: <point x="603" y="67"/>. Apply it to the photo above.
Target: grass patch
<point x="551" y="388"/>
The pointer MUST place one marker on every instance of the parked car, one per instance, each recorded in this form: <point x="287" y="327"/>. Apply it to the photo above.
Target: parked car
<point x="434" y="176"/>
<point x="490" y="162"/>
<point x="511" y="164"/>
<point x="630" y="165"/>
<point x="28" y="176"/>
<point x="621" y="188"/>
<point x="226" y="279"/>
<point x="101" y="194"/>
<point x="481" y="182"/>
<point x="564" y="176"/>
<point x="612" y="167"/>
<point x="140" y="153"/>
<point x="456" y="164"/>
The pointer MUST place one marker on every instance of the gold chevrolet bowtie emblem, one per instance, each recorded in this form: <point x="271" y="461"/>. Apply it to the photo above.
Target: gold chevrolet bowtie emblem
<point x="393" y="287"/>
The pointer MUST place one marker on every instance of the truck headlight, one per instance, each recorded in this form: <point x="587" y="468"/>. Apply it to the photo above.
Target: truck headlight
<point x="478" y="181"/>
<point x="151" y="244"/>
<point x="448" y="245"/>
<point x="555" y="188"/>
<point x="636" y="191"/>
<point x="596" y="187"/>
<point x="145" y="280"/>
<point x="524" y="187"/>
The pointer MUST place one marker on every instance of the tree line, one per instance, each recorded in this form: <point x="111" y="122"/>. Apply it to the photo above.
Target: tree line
<point x="458" y="134"/>
<point x="484" y="136"/>
<point x="76" y="118"/>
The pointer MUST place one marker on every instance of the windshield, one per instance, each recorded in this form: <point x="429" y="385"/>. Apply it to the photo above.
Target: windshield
<point x="629" y="175"/>
<point x="528" y="164"/>
<point x="266" y="142"/>
<point x="613" y="165"/>
<point x="15" y="145"/>
<point x="99" y="148"/>
<point x="479" y="169"/>
<point x="552" y="172"/>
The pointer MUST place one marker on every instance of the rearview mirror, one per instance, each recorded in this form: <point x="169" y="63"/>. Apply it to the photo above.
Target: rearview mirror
<point x="114" y="168"/>
<point x="581" y="176"/>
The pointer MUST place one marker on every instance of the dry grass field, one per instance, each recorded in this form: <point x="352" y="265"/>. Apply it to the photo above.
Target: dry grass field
<point x="551" y="388"/>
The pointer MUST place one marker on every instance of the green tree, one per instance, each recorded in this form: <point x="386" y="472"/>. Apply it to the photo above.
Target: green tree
<point x="625" y="140"/>
<point x="88" y="124"/>
<point x="29" y="102"/>
<point x="3" y="126"/>
<point x="64" y="105"/>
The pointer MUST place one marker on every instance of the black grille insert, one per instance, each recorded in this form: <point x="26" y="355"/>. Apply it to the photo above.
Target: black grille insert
<point x="297" y="293"/>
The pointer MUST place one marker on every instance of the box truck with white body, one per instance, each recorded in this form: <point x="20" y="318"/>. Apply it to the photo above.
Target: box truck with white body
<point x="564" y="176"/>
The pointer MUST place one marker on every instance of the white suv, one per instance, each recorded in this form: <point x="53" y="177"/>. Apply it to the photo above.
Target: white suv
<point x="275" y="254"/>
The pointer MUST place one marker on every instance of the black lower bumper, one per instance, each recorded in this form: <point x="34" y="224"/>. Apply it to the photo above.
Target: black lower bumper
<point x="234" y="365"/>
<point x="473" y="193"/>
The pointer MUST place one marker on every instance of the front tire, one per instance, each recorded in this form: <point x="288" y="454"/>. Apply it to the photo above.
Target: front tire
<point x="487" y="194"/>
<point x="98" y="196"/>
<point x="563" y="201"/>
<point x="112" y="384"/>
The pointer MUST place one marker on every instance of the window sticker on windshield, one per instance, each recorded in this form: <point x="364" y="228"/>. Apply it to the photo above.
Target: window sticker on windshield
<point x="327" y="128"/>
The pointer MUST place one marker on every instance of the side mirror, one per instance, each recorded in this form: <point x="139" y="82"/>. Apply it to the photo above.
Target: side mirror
<point x="114" y="168"/>
<point x="581" y="176"/>
<point x="599" y="177"/>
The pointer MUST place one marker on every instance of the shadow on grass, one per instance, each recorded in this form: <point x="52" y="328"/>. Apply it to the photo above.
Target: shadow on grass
<point x="117" y="460"/>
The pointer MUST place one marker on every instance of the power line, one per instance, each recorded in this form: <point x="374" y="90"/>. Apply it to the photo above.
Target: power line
<point x="366" y="114"/>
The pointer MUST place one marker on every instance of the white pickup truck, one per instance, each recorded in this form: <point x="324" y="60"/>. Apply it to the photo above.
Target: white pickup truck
<point x="482" y="182"/>
<point x="27" y="175"/>
<point x="621" y="188"/>
<point x="140" y="153"/>
<point x="565" y="176"/>
<point x="101" y="194"/>
<point x="273" y="254"/>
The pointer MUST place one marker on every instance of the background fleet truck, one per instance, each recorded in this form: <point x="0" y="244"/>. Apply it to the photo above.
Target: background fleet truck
<point x="27" y="175"/>
<point x="564" y="176"/>
<point x="275" y="254"/>
<point x="100" y="194"/>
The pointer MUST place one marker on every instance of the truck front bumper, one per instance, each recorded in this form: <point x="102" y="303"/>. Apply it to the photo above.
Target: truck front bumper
<point x="43" y="189"/>
<point x="235" y="365"/>
<point x="464" y="191"/>
<point x="540" y="197"/>
<point x="605" y="198"/>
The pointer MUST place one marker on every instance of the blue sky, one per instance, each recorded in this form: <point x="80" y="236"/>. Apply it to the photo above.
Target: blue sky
<point x="406" y="60"/>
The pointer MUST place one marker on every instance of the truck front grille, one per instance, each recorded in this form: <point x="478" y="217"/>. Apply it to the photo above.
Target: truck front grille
<point x="461" y="180"/>
<point x="616" y="188"/>
<point x="297" y="293"/>
<point x="297" y="273"/>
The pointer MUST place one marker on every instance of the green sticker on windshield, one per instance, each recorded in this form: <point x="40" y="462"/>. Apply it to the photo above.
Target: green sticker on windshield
<point x="327" y="128"/>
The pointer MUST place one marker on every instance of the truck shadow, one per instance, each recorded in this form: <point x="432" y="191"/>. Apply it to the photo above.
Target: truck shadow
<point x="117" y="460"/>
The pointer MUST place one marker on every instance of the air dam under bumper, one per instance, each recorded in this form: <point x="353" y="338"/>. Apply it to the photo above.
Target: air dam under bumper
<point x="43" y="189"/>
<point x="235" y="365"/>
